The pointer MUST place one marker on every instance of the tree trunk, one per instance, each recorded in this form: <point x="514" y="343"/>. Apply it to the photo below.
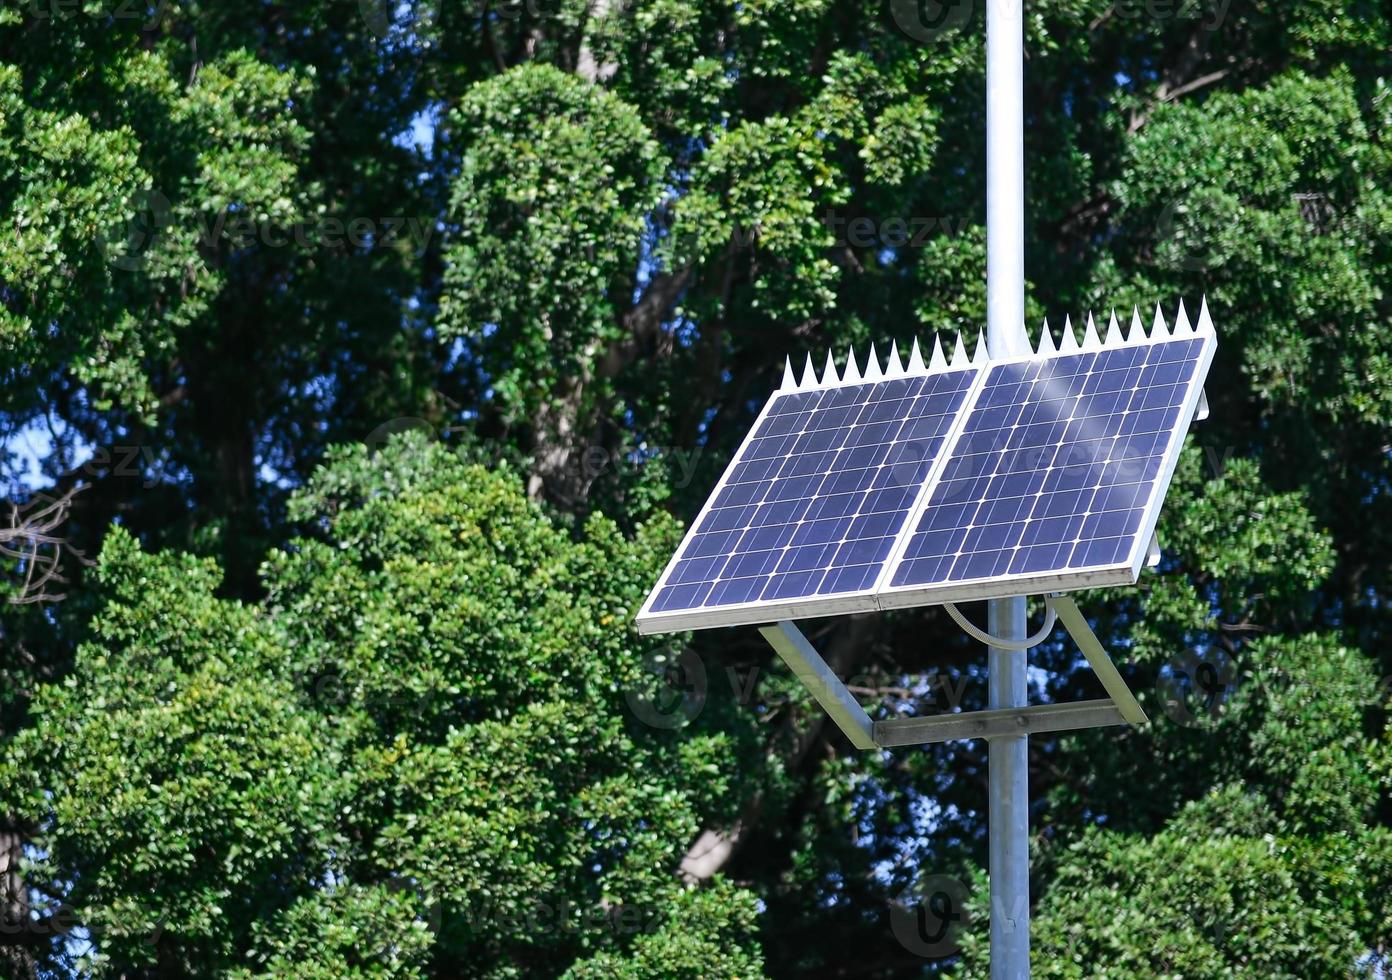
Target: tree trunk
<point x="717" y="846"/>
<point x="16" y="933"/>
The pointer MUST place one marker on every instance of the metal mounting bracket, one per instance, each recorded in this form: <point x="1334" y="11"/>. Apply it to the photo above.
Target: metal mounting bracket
<point x="809" y="667"/>
<point x="1120" y="708"/>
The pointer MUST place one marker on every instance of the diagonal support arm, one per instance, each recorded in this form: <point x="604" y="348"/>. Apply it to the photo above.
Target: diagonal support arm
<point x="809" y="667"/>
<point x="805" y="662"/>
<point x="1102" y="666"/>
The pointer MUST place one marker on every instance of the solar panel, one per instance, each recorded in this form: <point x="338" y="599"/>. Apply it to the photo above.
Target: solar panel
<point x="816" y="498"/>
<point x="1058" y="474"/>
<point x="930" y="483"/>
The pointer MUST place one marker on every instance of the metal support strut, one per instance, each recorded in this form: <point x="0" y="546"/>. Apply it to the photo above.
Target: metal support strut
<point x="1008" y="787"/>
<point x="1006" y="725"/>
<point x="1120" y="708"/>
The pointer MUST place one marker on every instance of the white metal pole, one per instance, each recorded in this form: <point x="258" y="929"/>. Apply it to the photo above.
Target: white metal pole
<point x="1008" y="775"/>
<point x="1005" y="336"/>
<point x="1005" y="179"/>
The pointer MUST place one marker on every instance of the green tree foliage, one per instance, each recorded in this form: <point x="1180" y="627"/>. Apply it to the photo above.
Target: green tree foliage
<point x="318" y="711"/>
<point x="413" y="755"/>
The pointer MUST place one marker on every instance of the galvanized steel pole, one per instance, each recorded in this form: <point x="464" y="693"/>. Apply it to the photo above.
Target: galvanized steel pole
<point x="1005" y="318"/>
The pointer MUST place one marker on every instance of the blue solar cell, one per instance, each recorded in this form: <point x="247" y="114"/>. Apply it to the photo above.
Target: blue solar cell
<point x="815" y="502"/>
<point x="1055" y="468"/>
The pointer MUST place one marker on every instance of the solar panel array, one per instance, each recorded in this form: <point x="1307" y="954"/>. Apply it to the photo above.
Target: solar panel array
<point x="928" y="483"/>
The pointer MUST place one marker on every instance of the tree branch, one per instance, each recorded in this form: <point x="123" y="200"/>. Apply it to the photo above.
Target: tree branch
<point x="32" y="541"/>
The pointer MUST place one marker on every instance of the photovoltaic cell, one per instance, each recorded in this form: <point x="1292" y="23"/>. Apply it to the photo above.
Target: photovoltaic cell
<point x="816" y="499"/>
<point x="1056" y="466"/>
